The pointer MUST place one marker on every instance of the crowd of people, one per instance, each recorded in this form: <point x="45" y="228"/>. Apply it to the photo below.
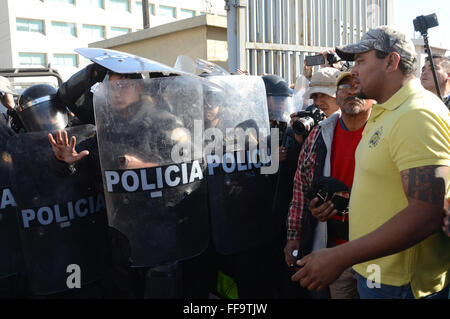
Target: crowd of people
<point x="359" y="207"/>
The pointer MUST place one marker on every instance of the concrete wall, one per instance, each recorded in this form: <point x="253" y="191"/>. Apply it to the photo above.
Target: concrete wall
<point x="217" y="45"/>
<point x="5" y="35"/>
<point x="202" y="37"/>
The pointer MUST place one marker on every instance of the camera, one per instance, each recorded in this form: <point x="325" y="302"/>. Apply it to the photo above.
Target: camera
<point x="308" y="119"/>
<point x="423" y="23"/>
<point x="319" y="59"/>
<point x="332" y="58"/>
<point x="328" y="188"/>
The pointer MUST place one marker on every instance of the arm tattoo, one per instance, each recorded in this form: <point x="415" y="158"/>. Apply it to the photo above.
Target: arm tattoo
<point x="422" y="183"/>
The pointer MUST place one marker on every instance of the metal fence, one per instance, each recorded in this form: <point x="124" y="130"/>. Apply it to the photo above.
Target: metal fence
<point x="274" y="36"/>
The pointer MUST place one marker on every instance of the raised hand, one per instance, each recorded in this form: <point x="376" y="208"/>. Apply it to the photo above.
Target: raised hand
<point x="65" y="151"/>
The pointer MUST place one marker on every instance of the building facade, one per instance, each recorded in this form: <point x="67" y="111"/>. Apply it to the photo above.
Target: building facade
<point x="203" y="37"/>
<point x="36" y="33"/>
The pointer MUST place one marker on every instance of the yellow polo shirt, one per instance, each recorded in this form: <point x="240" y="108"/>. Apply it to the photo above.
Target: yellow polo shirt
<point x="412" y="129"/>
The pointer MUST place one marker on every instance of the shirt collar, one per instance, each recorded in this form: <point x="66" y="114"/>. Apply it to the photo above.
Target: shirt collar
<point x="398" y="98"/>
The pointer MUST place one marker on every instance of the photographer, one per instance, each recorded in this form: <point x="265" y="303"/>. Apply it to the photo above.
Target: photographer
<point x="6" y="98"/>
<point x="8" y="117"/>
<point x="328" y="151"/>
<point x="442" y="66"/>
<point x="322" y="90"/>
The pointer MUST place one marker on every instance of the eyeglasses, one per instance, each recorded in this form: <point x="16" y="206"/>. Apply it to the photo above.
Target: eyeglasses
<point x="347" y="86"/>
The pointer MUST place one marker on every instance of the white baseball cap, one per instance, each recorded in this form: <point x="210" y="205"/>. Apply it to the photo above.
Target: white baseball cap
<point x="323" y="81"/>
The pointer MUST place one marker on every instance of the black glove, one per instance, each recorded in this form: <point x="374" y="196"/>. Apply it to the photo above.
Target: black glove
<point x="97" y="73"/>
<point x="14" y="121"/>
<point x="76" y="95"/>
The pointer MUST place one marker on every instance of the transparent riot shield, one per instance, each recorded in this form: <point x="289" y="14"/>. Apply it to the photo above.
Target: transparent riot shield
<point x="148" y="135"/>
<point x="62" y="219"/>
<point x="10" y="251"/>
<point x="240" y="196"/>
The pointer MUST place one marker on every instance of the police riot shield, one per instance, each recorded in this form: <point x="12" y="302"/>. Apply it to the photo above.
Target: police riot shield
<point x="62" y="219"/>
<point x="236" y="151"/>
<point x="149" y="136"/>
<point x="9" y="238"/>
<point x="122" y="62"/>
<point x="280" y="108"/>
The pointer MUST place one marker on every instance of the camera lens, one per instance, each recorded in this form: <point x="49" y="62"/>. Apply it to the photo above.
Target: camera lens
<point x="303" y="125"/>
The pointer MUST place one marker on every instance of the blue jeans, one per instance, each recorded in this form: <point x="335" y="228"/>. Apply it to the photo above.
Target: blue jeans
<point x="393" y="292"/>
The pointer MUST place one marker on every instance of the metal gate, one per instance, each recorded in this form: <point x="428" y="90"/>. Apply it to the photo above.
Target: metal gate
<point x="274" y="36"/>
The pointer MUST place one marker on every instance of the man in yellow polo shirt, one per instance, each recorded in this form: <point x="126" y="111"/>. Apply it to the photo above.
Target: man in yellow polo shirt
<point x="401" y="181"/>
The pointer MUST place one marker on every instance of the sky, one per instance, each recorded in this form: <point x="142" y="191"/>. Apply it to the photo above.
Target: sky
<point x="407" y="10"/>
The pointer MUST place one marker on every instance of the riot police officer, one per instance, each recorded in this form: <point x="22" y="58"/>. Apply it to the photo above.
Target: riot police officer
<point x="280" y="104"/>
<point x="138" y="122"/>
<point x="240" y="200"/>
<point x="12" y="274"/>
<point x="62" y="222"/>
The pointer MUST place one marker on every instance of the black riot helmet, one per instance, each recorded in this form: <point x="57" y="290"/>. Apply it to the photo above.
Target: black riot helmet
<point x="38" y="109"/>
<point x="279" y="98"/>
<point x="213" y="104"/>
<point x="213" y="97"/>
<point x="276" y="86"/>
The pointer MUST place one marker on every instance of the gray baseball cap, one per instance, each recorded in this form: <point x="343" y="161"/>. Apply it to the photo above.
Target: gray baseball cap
<point x="381" y="38"/>
<point x="5" y="85"/>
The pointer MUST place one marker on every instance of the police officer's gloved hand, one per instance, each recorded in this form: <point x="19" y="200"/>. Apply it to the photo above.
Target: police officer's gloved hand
<point x="14" y="121"/>
<point x="81" y="82"/>
<point x="97" y="73"/>
<point x="76" y="94"/>
<point x="331" y="189"/>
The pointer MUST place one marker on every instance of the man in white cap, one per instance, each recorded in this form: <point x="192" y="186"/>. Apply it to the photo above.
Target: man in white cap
<point x="401" y="182"/>
<point x="322" y="89"/>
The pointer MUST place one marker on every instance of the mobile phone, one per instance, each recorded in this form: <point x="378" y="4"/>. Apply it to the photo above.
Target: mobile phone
<point x="312" y="60"/>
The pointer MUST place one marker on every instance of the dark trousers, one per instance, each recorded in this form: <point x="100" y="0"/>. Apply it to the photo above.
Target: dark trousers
<point x="250" y="269"/>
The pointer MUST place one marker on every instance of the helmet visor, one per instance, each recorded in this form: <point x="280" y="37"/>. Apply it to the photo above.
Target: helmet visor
<point x="280" y="108"/>
<point x="42" y="115"/>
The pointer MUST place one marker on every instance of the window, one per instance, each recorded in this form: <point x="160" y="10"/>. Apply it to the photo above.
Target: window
<point x="93" y="32"/>
<point x="151" y="8"/>
<point x="184" y="14"/>
<point x="27" y="25"/>
<point x="167" y="11"/>
<point x="115" y="31"/>
<point x="119" y="5"/>
<point x="96" y="3"/>
<point x="32" y="59"/>
<point x="64" y="28"/>
<point x="65" y="60"/>
<point x="63" y="1"/>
